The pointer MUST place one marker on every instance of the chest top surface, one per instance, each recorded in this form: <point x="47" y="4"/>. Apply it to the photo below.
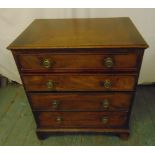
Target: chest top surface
<point x="80" y="33"/>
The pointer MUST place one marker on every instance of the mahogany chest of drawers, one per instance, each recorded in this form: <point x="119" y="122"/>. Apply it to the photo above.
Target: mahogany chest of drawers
<point x="80" y="75"/>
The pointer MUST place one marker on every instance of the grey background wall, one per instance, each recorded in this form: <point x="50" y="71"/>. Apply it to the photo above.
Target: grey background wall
<point x="14" y="21"/>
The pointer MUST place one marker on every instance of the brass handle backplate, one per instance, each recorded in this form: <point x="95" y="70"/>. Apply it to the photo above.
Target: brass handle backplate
<point x="47" y="63"/>
<point x="107" y="84"/>
<point x="50" y="84"/>
<point x="55" y="104"/>
<point x="59" y="119"/>
<point x="105" y="120"/>
<point x="105" y="104"/>
<point x="108" y="62"/>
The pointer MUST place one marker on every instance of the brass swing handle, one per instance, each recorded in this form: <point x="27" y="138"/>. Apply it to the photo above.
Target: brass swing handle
<point x="105" y="120"/>
<point x="107" y="84"/>
<point x="59" y="119"/>
<point x="47" y="63"/>
<point x="105" y="104"/>
<point x="50" y="84"/>
<point x="55" y="104"/>
<point x="108" y="62"/>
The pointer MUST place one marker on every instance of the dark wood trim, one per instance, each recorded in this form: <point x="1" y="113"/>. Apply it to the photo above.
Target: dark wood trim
<point x="93" y="51"/>
<point x="45" y="133"/>
<point x="57" y="130"/>
<point x="141" y="53"/>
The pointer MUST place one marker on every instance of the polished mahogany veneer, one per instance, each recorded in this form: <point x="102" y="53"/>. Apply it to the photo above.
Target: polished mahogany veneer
<point x="76" y="62"/>
<point x="80" y="75"/>
<point x="82" y="119"/>
<point x="81" y="101"/>
<point x="80" y="82"/>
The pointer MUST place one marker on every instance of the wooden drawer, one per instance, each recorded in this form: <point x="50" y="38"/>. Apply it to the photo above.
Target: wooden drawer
<point x="82" y="119"/>
<point x="78" y="62"/>
<point x="80" y="101"/>
<point x="77" y="82"/>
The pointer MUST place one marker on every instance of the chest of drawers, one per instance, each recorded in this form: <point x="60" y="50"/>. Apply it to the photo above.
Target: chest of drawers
<point x="80" y="75"/>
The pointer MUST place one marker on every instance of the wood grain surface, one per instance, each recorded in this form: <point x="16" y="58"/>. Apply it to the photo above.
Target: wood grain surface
<point x="113" y="101"/>
<point x="89" y="61"/>
<point x="79" y="82"/>
<point x="77" y="33"/>
<point x="82" y="119"/>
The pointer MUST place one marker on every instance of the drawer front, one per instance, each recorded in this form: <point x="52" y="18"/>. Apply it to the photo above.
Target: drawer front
<point x="66" y="62"/>
<point x="81" y="119"/>
<point x="74" y="82"/>
<point x="80" y="101"/>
